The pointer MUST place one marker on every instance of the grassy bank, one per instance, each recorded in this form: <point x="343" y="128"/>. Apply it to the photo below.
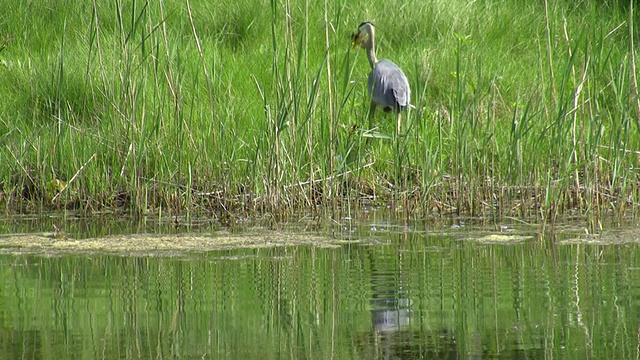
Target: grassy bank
<point x="522" y="108"/>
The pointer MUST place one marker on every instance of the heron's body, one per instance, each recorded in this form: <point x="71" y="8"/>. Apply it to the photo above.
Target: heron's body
<point x="388" y="86"/>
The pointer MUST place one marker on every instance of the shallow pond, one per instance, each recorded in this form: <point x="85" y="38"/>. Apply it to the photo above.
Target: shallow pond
<point x="371" y="291"/>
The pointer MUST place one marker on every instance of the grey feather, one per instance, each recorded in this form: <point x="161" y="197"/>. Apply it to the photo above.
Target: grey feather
<point x="388" y="86"/>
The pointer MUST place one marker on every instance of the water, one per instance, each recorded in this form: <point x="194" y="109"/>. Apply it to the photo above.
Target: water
<point x="384" y="294"/>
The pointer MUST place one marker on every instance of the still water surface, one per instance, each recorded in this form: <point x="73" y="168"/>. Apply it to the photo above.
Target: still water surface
<point x="386" y="293"/>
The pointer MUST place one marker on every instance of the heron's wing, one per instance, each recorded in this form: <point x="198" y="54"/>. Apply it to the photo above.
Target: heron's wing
<point x="388" y="86"/>
<point x="402" y="93"/>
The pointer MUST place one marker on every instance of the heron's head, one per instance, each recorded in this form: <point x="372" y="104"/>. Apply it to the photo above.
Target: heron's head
<point x="363" y="36"/>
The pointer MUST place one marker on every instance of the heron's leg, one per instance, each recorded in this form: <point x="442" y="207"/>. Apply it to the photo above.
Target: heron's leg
<point x="399" y="126"/>
<point x="372" y="110"/>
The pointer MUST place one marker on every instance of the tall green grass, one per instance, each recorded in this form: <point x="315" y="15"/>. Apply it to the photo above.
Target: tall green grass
<point x="522" y="108"/>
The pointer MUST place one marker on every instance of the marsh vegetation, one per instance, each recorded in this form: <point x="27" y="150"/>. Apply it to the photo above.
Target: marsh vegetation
<point x="150" y="107"/>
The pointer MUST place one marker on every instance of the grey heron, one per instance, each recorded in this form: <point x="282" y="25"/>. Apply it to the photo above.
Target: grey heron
<point x="388" y="86"/>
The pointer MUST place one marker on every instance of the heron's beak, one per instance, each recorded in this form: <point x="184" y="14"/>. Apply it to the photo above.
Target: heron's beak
<point x="355" y="40"/>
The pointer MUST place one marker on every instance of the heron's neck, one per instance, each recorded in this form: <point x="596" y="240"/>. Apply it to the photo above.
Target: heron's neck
<point x="371" y="53"/>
